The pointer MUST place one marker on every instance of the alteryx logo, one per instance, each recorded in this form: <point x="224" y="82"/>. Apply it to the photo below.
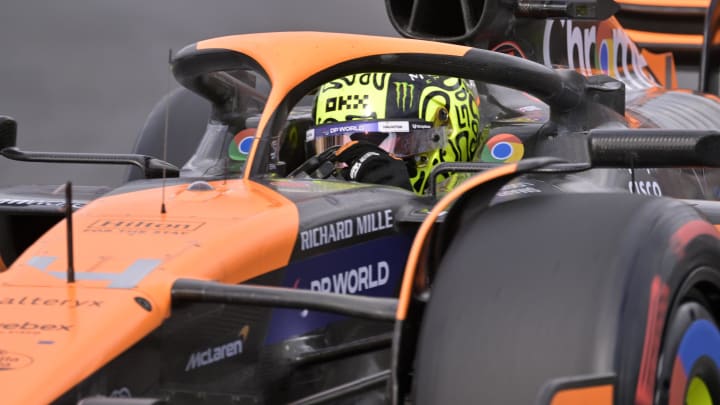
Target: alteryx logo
<point x="49" y="302"/>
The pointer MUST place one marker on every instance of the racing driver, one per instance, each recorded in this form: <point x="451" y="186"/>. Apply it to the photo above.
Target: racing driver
<point x="394" y="128"/>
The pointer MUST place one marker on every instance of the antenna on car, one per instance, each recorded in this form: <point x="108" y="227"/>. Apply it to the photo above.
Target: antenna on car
<point x="165" y="133"/>
<point x="68" y="225"/>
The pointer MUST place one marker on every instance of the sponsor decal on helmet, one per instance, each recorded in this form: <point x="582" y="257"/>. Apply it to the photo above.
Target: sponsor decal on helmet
<point x="376" y="80"/>
<point x="404" y="95"/>
<point x="13" y="361"/>
<point x="348" y="102"/>
<point x="396" y="126"/>
<point x="502" y="148"/>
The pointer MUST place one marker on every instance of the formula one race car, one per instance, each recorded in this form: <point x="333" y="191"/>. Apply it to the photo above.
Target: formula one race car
<point x="557" y="242"/>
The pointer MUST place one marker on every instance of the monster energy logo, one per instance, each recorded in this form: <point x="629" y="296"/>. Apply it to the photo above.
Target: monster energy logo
<point x="402" y="91"/>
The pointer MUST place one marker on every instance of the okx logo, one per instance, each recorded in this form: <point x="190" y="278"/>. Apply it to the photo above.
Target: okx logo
<point x="404" y="95"/>
<point x="348" y="102"/>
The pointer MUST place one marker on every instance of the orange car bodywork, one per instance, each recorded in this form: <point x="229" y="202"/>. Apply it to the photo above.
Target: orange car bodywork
<point x="598" y="395"/>
<point x="235" y="232"/>
<point x="128" y="253"/>
<point x="87" y="323"/>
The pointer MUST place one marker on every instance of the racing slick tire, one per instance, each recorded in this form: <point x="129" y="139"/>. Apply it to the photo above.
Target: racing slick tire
<point x="574" y="287"/>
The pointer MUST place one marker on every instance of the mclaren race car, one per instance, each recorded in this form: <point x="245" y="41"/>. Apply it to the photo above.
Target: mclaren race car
<point x="571" y="256"/>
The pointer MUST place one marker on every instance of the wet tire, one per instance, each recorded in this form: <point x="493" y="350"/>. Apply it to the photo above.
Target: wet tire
<point x="545" y="288"/>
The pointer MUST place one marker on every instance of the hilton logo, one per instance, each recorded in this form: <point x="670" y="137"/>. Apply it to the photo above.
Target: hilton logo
<point x="143" y="226"/>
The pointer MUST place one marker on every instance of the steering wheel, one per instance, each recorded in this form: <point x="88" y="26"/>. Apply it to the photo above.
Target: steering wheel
<point x="320" y="166"/>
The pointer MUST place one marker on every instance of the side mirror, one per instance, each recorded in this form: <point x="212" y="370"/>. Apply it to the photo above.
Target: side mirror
<point x="8" y="132"/>
<point x="151" y="167"/>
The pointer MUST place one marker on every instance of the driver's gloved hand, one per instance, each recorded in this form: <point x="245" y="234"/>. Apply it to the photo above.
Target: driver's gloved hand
<point x="367" y="163"/>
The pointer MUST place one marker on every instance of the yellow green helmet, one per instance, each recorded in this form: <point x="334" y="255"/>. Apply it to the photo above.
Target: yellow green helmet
<point x="424" y="119"/>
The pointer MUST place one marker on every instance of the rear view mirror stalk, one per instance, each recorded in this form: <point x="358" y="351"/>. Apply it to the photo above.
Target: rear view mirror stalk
<point x="151" y="167"/>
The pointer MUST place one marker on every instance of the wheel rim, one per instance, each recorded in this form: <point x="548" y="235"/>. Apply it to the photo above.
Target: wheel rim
<point x="698" y="393"/>
<point x="694" y="379"/>
<point x="689" y="369"/>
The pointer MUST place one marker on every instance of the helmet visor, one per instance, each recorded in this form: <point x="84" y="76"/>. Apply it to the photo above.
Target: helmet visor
<point x="402" y="138"/>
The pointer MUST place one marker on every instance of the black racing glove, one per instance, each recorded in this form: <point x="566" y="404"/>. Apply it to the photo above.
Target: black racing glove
<point x="367" y="163"/>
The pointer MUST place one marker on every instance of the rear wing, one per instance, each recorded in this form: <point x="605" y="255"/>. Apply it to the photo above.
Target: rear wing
<point x="687" y="28"/>
<point x="666" y="29"/>
<point x="669" y="25"/>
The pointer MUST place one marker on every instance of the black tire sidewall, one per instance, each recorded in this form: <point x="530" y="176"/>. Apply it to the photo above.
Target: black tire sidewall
<point x="594" y="286"/>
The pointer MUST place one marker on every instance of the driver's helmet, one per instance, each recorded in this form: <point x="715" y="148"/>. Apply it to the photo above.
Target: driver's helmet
<point x="423" y="119"/>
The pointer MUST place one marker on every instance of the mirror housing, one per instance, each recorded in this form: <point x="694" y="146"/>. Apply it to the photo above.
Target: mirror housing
<point x="8" y="132"/>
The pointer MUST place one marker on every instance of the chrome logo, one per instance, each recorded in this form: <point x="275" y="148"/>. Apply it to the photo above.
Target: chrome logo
<point x="502" y="148"/>
<point x="606" y="59"/>
<point x="241" y="144"/>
